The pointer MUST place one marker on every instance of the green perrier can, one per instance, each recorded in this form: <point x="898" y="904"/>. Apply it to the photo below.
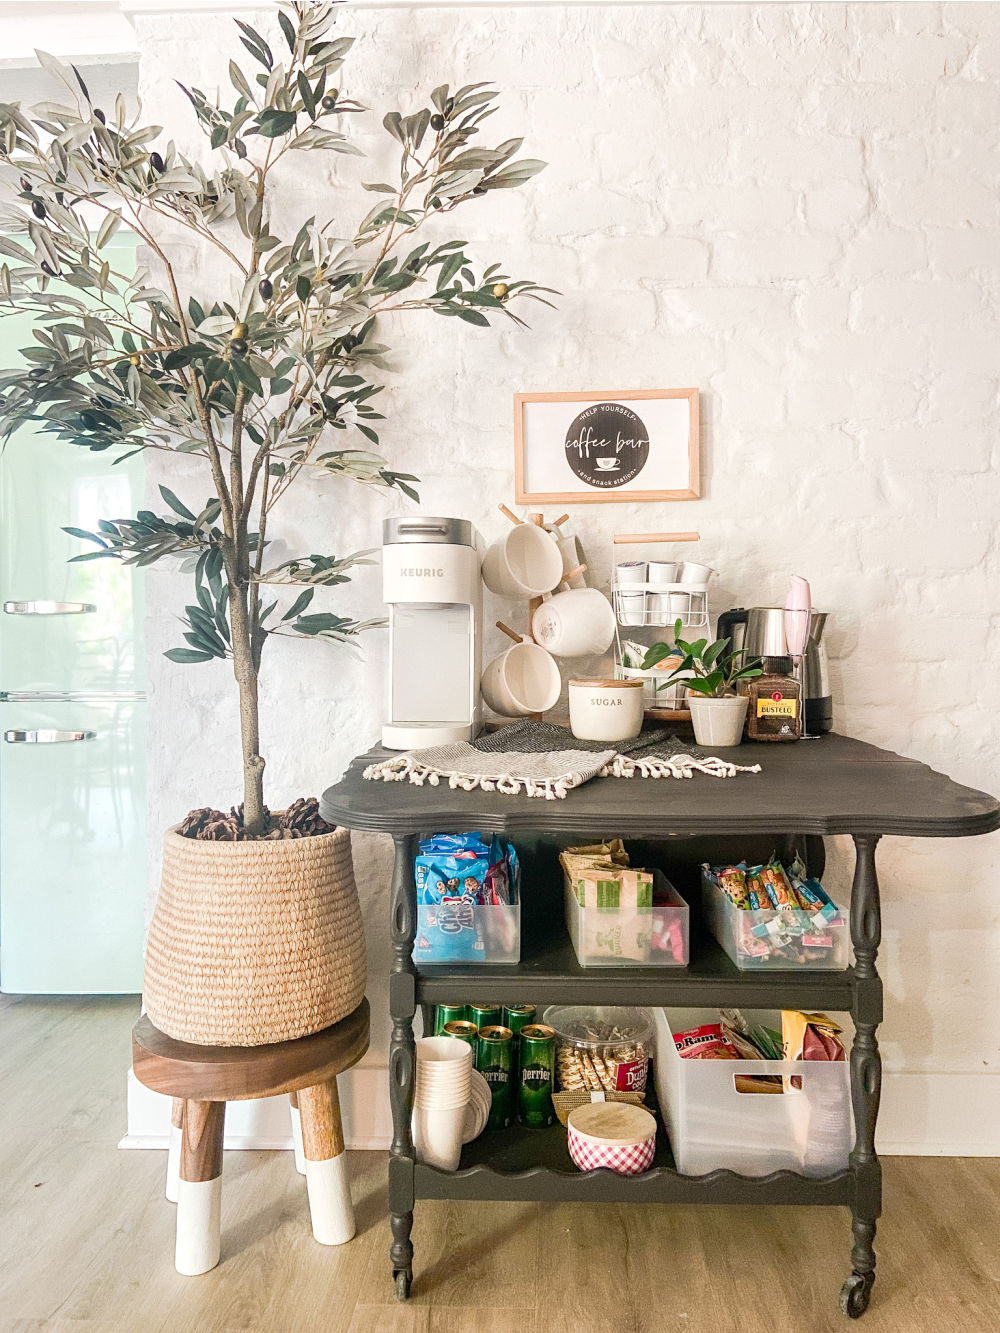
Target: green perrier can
<point x="449" y="1013"/>
<point x="536" y="1083"/>
<point x="516" y="1015"/>
<point x="494" y="1056"/>
<point x="483" y="1015"/>
<point x="467" y="1032"/>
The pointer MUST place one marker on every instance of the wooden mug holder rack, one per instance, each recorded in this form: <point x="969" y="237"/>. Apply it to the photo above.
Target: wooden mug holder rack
<point x="535" y="602"/>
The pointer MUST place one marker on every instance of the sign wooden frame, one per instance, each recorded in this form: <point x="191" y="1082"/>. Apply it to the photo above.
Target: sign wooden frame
<point x="626" y="492"/>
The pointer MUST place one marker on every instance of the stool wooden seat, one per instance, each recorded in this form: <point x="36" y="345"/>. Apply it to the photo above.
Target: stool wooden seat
<point x="201" y="1079"/>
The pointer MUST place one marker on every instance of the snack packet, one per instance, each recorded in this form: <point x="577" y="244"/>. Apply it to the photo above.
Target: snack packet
<point x="779" y="890"/>
<point x="797" y="870"/>
<point x="733" y="882"/>
<point x="611" y="850"/>
<point x="707" y="1042"/>
<point x="809" y="1037"/>
<point x="757" y="890"/>
<point x="813" y="897"/>
<point x="618" y="909"/>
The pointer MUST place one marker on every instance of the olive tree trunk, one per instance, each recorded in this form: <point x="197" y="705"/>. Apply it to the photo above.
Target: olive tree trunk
<point x="245" y="665"/>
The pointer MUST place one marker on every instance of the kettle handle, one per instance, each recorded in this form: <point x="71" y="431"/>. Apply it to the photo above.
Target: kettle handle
<point x="724" y="626"/>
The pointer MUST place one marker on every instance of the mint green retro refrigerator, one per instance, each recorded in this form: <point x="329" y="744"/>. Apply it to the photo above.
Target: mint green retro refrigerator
<point x="72" y="716"/>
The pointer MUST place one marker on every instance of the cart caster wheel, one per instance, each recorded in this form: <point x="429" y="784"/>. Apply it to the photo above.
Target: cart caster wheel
<point x="856" y="1293"/>
<point x="403" y="1280"/>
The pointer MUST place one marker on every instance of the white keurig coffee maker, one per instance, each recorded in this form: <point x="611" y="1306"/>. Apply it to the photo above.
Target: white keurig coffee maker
<point x="431" y="583"/>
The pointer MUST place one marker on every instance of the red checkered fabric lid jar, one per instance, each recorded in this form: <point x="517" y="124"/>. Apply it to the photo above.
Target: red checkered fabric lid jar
<point x="617" y="1136"/>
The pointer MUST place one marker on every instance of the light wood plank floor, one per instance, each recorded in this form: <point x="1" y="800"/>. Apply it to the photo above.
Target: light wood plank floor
<point x="86" y="1237"/>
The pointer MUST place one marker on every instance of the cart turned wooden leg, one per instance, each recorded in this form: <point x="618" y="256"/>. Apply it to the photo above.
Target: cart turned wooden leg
<point x="327" y="1183"/>
<point x="199" y="1189"/>
<point x="402" y="1059"/>
<point x="866" y="1076"/>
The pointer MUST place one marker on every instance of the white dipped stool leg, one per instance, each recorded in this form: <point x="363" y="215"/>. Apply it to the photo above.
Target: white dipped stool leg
<point x="174" y="1149"/>
<point x="199" y="1213"/>
<point x="199" y="1189"/>
<point x="300" y="1157"/>
<point x="330" y="1204"/>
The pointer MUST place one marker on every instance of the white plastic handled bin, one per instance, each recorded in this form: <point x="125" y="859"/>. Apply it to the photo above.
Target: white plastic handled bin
<point x="712" y="1125"/>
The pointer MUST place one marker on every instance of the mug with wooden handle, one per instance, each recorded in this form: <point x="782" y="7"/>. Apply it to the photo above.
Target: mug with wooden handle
<point x="577" y="623"/>
<point x="521" y="681"/>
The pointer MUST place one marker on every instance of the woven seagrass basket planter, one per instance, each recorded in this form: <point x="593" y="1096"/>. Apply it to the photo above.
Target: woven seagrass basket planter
<point x="254" y="942"/>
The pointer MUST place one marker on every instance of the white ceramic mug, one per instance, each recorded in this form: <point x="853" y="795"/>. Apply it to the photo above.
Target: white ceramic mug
<point x="524" y="562"/>
<point x="605" y="710"/>
<point x="521" y="681"/>
<point x="577" y="623"/>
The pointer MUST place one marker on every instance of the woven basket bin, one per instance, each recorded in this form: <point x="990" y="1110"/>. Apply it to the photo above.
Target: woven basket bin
<point x="254" y="942"/>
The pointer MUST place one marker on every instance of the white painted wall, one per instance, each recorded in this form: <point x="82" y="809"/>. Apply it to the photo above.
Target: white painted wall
<point x="796" y="208"/>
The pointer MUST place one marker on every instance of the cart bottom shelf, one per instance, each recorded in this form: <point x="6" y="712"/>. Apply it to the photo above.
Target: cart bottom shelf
<point x="525" y="1164"/>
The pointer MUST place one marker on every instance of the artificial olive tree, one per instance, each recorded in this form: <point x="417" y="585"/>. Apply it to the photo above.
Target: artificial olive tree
<point x="258" y="367"/>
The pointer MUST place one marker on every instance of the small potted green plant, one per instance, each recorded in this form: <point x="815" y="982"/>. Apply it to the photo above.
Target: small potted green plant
<point x="710" y="673"/>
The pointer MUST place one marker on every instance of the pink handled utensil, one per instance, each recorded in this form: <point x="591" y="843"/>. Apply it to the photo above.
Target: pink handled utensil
<point x="798" y="609"/>
<point x="798" y="613"/>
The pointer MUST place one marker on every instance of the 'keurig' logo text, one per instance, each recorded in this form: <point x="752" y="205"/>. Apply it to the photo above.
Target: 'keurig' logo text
<point x="422" y="573"/>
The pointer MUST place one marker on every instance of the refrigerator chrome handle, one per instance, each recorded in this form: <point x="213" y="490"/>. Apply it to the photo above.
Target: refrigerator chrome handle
<point x="48" y="608"/>
<point x="17" y="737"/>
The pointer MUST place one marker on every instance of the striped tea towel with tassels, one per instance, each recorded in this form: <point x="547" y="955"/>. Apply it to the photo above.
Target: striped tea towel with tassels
<point x="534" y="759"/>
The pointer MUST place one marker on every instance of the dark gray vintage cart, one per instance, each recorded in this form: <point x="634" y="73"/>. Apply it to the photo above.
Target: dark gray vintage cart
<point x="829" y="786"/>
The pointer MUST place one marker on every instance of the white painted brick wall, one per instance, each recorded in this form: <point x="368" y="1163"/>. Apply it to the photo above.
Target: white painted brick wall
<point x="795" y="207"/>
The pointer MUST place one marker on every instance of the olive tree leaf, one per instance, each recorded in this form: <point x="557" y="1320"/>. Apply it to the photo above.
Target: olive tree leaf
<point x="187" y="655"/>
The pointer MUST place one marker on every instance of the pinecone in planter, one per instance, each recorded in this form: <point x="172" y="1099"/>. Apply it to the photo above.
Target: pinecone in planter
<point x="301" y="820"/>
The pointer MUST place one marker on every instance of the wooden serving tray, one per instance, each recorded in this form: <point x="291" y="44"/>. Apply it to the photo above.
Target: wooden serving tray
<point x="668" y="714"/>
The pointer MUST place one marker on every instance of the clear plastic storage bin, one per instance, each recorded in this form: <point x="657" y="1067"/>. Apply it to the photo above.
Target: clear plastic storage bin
<point x="781" y="940"/>
<point x="610" y="937"/>
<point x="713" y="1125"/>
<point x="464" y="932"/>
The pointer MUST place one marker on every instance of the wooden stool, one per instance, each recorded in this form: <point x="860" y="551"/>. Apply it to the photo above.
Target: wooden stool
<point x="201" y="1079"/>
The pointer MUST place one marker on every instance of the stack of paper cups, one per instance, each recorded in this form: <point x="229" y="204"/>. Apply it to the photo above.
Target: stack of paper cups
<point x="441" y="1094"/>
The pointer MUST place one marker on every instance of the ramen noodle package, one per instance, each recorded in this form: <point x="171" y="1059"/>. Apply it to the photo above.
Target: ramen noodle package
<point x="708" y="1042"/>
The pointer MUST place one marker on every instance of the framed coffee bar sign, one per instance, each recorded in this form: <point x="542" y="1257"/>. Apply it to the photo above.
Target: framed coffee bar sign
<point x="589" y="448"/>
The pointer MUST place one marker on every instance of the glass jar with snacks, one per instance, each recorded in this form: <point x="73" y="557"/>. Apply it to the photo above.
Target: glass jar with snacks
<point x="601" y="1048"/>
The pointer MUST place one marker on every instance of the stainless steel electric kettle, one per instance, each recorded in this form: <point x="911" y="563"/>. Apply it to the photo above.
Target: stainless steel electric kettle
<point x="759" y="631"/>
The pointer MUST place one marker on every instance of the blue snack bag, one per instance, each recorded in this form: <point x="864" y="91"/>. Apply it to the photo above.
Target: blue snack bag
<point x="456" y="874"/>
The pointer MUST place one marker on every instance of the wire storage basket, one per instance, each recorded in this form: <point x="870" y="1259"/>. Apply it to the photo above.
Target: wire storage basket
<point x="650" y="592"/>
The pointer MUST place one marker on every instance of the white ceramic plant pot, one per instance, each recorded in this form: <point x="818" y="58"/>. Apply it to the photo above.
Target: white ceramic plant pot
<point x="718" y="722"/>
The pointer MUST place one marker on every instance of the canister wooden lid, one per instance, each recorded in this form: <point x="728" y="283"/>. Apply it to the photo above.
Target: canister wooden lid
<point x="606" y="684"/>
<point x="613" y="1123"/>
